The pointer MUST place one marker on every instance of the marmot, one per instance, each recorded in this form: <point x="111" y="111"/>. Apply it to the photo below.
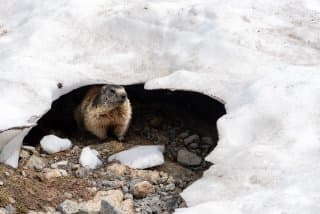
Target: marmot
<point x="103" y="109"/>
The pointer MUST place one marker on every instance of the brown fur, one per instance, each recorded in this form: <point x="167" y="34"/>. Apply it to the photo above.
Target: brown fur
<point x="99" y="119"/>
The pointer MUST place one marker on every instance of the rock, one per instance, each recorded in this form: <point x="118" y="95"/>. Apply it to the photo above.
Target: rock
<point x="127" y="206"/>
<point x="187" y="158"/>
<point x="11" y="200"/>
<point x="68" y="207"/>
<point x="75" y="150"/>
<point x="117" y="169"/>
<point x="55" y="173"/>
<point x="36" y="162"/>
<point x="82" y="172"/>
<point x="68" y="195"/>
<point x="106" y="208"/>
<point x="24" y="154"/>
<point x="152" y="176"/>
<point x="142" y="189"/>
<point x="113" y="197"/>
<point x="60" y="164"/>
<point x="50" y="209"/>
<point x="207" y="140"/>
<point x="1" y="183"/>
<point x="9" y="209"/>
<point x="192" y="139"/>
<point x="125" y="189"/>
<point x="184" y="135"/>
<point x="171" y="203"/>
<point x="150" y="204"/>
<point x="74" y="166"/>
<point x="29" y="148"/>
<point x="193" y="145"/>
<point x="128" y="196"/>
<point x="84" y="211"/>
<point x="112" y="184"/>
<point x="6" y="173"/>
<point x="3" y="211"/>
<point x="170" y="187"/>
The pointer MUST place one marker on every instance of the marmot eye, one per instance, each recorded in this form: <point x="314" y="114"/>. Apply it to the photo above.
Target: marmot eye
<point x="112" y="91"/>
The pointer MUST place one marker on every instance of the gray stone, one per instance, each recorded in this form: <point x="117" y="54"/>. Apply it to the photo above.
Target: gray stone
<point x="170" y="187"/>
<point x="24" y="154"/>
<point x="184" y="135"/>
<point x="55" y="173"/>
<point x="107" y="208"/>
<point x="29" y="148"/>
<point x="192" y="139"/>
<point x="36" y="162"/>
<point x="193" y="145"/>
<point x="1" y="183"/>
<point x="10" y="209"/>
<point x="128" y="196"/>
<point x="60" y="165"/>
<point x="111" y="184"/>
<point x="125" y="189"/>
<point x="187" y="158"/>
<point x="82" y="172"/>
<point x="207" y="140"/>
<point x="69" y="207"/>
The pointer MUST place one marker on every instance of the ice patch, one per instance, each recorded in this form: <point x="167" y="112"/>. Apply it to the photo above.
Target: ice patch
<point x="89" y="158"/>
<point x="53" y="144"/>
<point x="140" y="157"/>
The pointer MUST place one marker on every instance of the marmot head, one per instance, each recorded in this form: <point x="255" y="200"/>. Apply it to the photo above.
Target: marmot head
<point x="111" y="96"/>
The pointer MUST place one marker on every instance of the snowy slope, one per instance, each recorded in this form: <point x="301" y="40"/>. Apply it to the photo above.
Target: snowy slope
<point x="260" y="58"/>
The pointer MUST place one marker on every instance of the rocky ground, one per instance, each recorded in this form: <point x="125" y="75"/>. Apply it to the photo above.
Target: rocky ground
<point x="57" y="183"/>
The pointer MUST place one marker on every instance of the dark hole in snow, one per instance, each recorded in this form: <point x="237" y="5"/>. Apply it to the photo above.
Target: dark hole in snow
<point x="183" y="121"/>
<point x="183" y="115"/>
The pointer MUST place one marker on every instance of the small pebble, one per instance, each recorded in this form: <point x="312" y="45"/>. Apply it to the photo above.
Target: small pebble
<point x="192" y="139"/>
<point x="188" y="158"/>
<point x="142" y="189"/>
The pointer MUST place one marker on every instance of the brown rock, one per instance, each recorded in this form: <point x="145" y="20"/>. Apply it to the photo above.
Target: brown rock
<point x="152" y="176"/>
<point x="117" y="169"/>
<point x="113" y="197"/>
<point x="127" y="206"/>
<point x="142" y="189"/>
<point x="55" y="173"/>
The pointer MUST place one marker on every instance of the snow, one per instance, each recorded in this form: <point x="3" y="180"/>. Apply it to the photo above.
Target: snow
<point x="89" y="158"/>
<point x="260" y="58"/>
<point x="53" y="144"/>
<point x="140" y="157"/>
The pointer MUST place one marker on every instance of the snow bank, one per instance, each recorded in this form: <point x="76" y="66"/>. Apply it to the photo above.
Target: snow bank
<point x="261" y="58"/>
<point x="53" y="144"/>
<point x="89" y="158"/>
<point x="140" y="157"/>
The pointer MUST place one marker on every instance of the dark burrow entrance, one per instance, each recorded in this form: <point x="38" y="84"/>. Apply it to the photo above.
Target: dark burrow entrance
<point x="185" y="122"/>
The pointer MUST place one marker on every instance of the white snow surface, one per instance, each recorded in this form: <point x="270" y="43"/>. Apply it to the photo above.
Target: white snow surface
<point x="260" y="58"/>
<point x="140" y="157"/>
<point x="53" y="144"/>
<point x="89" y="158"/>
